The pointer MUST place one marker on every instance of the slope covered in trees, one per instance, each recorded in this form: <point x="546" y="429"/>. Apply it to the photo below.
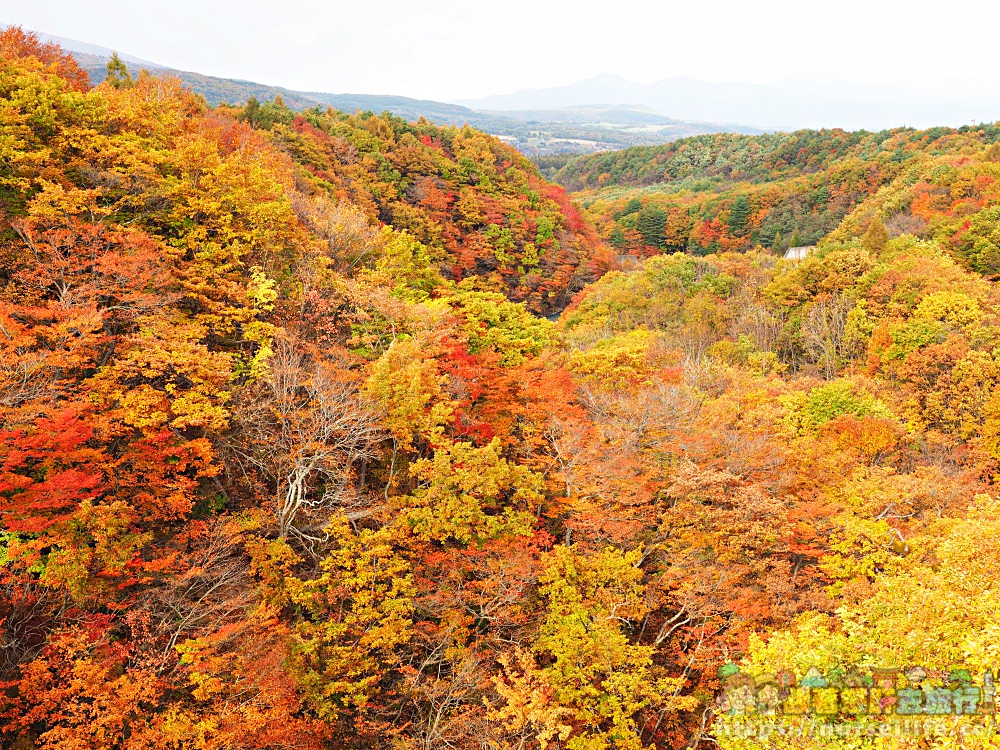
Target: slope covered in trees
<point x="288" y="459"/>
<point x="231" y="397"/>
<point x="478" y="206"/>
<point x="731" y="192"/>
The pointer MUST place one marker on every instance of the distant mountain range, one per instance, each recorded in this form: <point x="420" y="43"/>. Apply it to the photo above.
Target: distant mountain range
<point x="790" y="104"/>
<point x="610" y="112"/>
<point x="544" y="128"/>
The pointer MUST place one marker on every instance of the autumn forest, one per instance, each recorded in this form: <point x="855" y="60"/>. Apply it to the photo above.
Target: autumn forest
<point x="326" y="430"/>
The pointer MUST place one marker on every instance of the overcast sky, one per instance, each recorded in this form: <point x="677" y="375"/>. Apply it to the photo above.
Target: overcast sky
<point x="446" y="50"/>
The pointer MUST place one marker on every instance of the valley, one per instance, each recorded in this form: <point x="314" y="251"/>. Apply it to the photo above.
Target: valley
<point x="341" y="423"/>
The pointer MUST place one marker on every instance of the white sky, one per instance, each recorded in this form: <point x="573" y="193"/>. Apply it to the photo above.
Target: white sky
<point x="448" y="49"/>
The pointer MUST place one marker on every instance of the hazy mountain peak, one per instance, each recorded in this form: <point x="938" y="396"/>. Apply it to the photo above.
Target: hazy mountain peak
<point x="75" y="45"/>
<point x="795" y="102"/>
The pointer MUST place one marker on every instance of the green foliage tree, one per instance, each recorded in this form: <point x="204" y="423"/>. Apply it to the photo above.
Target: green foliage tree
<point x="778" y="244"/>
<point x="652" y="224"/>
<point x="117" y="73"/>
<point x="267" y="114"/>
<point x="633" y="206"/>
<point x="739" y="214"/>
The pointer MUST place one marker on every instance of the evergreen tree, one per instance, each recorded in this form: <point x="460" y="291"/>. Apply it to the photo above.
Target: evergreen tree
<point x="617" y="237"/>
<point x="251" y="112"/>
<point x="117" y="73"/>
<point x="652" y="225"/>
<point x="776" y="244"/>
<point x="633" y="206"/>
<point x="739" y="214"/>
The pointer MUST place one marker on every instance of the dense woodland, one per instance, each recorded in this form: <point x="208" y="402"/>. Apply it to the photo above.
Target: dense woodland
<point x="733" y="192"/>
<point x="292" y="457"/>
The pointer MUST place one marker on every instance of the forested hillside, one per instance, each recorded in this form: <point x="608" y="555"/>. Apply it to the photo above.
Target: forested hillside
<point x="290" y="457"/>
<point x="732" y="192"/>
<point x="478" y="206"/>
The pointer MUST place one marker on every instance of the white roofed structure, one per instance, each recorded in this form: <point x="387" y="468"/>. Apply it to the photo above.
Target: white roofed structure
<point x="798" y="253"/>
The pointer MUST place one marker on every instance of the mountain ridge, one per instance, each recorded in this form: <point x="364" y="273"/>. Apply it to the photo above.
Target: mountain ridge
<point x="539" y="131"/>
<point x="789" y="104"/>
